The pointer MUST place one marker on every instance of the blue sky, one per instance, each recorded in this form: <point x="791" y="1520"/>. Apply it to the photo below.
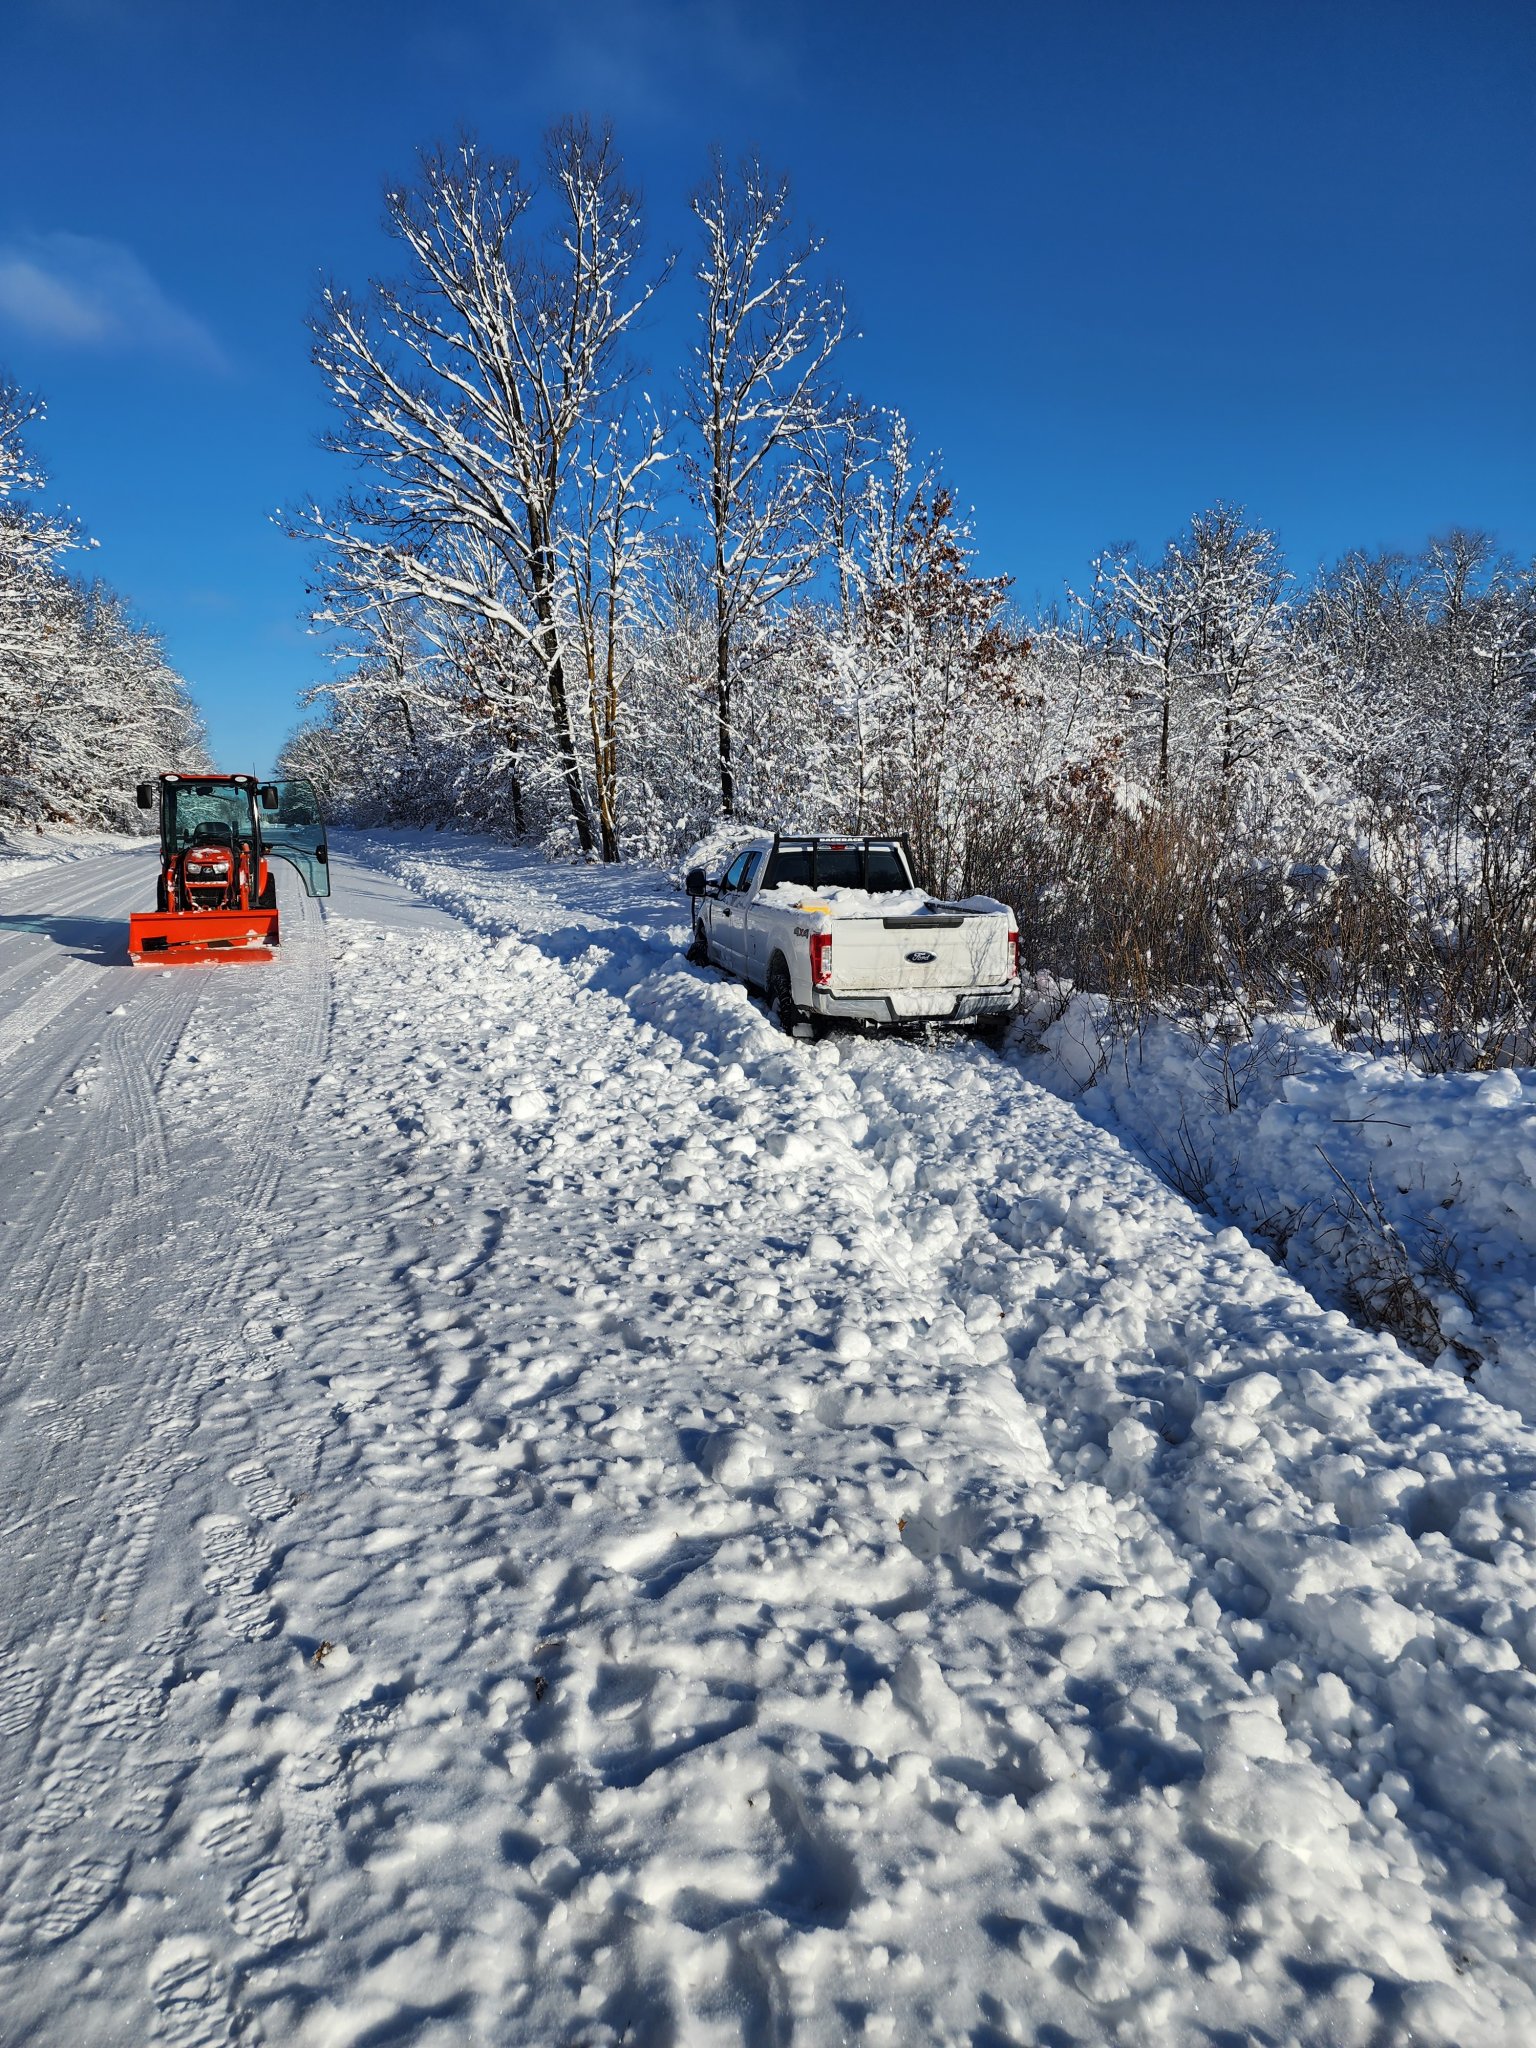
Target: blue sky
<point x="1114" y="262"/>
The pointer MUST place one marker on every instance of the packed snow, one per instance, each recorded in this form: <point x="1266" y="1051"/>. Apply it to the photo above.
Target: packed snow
<point x="540" y="1510"/>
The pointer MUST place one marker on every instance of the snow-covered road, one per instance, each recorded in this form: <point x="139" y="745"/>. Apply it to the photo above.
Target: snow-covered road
<point x="537" y="1510"/>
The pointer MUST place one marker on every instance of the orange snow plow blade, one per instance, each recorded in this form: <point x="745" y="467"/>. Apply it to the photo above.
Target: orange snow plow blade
<point x="173" y="938"/>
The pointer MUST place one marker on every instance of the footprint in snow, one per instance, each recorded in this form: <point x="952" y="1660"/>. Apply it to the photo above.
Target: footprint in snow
<point x="236" y="1569"/>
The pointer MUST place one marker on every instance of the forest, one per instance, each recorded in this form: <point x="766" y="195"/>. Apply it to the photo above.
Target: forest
<point x="88" y="703"/>
<point x="563" y="611"/>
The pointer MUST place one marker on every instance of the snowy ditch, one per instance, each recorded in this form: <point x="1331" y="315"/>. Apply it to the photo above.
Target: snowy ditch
<point x="1407" y="1199"/>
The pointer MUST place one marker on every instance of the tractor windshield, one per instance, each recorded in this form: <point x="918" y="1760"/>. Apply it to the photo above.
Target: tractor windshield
<point x="205" y="814"/>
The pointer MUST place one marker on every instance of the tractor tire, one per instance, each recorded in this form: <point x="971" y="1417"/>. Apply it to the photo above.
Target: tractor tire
<point x="267" y="900"/>
<point x="161" y="902"/>
<point x="698" y="947"/>
<point x="793" y="1021"/>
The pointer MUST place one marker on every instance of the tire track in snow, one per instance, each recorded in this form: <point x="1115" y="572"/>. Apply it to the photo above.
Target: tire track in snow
<point x="93" y="1704"/>
<point x="102" y="885"/>
<point x="93" y="1788"/>
<point x="73" y="980"/>
<point x="120" y="1122"/>
<point x="29" y="1071"/>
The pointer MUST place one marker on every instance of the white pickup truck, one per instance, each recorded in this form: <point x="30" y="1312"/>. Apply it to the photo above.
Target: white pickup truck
<point x="834" y="929"/>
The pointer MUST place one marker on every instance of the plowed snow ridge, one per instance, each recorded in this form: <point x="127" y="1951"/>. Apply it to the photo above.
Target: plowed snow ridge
<point x="539" y="1510"/>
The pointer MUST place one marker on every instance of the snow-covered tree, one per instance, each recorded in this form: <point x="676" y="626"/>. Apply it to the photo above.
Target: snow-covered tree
<point x="88" y="704"/>
<point x="757" y="400"/>
<point x="469" y="392"/>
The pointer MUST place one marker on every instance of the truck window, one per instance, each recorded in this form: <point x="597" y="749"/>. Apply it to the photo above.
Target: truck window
<point x="839" y="867"/>
<point x="735" y="871"/>
<point x="886" y="870"/>
<point x="749" y="871"/>
<point x="790" y="868"/>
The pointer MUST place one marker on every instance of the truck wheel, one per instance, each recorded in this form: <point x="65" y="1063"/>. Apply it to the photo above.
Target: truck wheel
<point x="793" y="1021"/>
<point x="698" y="949"/>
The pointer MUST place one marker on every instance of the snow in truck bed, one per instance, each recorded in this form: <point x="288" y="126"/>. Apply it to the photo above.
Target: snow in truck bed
<point x="645" y="1531"/>
<point x="872" y="902"/>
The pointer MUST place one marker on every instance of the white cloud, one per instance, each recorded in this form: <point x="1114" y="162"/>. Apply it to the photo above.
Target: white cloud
<point x="87" y="293"/>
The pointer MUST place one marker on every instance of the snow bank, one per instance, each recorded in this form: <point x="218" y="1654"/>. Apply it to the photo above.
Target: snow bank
<point x="1383" y="1188"/>
<point x="24" y="852"/>
<point x="719" y="847"/>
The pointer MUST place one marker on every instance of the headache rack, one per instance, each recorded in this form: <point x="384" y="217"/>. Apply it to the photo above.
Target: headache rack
<point x="813" y="844"/>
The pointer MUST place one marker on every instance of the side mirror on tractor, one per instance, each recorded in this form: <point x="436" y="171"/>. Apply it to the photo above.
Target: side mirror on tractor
<point x="146" y="796"/>
<point x="694" y="882"/>
<point x="269" y="796"/>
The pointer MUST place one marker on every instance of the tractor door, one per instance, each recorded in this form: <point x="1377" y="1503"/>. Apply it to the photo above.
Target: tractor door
<point x="292" y="828"/>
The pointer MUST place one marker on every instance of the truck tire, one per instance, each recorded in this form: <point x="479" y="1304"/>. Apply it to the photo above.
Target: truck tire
<point x="793" y="1021"/>
<point x="698" y="947"/>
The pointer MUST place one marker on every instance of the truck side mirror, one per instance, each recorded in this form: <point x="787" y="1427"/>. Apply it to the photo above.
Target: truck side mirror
<point x="694" y="882"/>
<point x="268" y="795"/>
<point x="146" y="796"/>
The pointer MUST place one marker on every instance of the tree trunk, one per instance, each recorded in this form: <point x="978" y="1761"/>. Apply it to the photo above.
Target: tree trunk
<point x="515" y="785"/>
<point x="608" y="775"/>
<point x="603" y="718"/>
<point x="554" y="673"/>
<point x="723" y="713"/>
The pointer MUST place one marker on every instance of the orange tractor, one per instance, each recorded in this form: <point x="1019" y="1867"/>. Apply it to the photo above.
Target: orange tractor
<point x="216" y="898"/>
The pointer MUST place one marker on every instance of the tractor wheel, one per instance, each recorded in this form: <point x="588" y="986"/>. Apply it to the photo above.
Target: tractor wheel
<point x="793" y="1021"/>
<point x="698" y="949"/>
<point x="267" y="900"/>
<point x="161" y="903"/>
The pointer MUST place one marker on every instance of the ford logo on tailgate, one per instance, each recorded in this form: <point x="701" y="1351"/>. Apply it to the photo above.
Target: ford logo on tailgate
<point x="921" y="959"/>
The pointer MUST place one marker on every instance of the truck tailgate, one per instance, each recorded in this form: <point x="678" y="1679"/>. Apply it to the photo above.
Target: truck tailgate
<point x="953" y="951"/>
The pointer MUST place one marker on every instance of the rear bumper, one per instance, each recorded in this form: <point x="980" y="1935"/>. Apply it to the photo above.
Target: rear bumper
<point x="171" y="938"/>
<point x="945" y="1006"/>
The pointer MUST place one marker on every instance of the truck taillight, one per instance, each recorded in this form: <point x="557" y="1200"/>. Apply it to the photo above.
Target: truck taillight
<point x="821" y="959"/>
<point x="1013" y="955"/>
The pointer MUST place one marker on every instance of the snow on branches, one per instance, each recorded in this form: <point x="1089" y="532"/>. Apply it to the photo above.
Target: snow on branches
<point x="88" y="704"/>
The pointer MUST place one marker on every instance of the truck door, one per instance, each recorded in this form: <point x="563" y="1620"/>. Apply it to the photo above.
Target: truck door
<point x="727" y="925"/>
<point x="293" y="829"/>
<point x="759" y="928"/>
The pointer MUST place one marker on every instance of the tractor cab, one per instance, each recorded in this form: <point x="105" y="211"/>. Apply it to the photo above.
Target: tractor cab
<point x="216" y="898"/>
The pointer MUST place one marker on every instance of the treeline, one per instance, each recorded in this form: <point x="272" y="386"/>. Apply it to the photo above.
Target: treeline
<point x="88" y="704"/>
<point x="564" y="612"/>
